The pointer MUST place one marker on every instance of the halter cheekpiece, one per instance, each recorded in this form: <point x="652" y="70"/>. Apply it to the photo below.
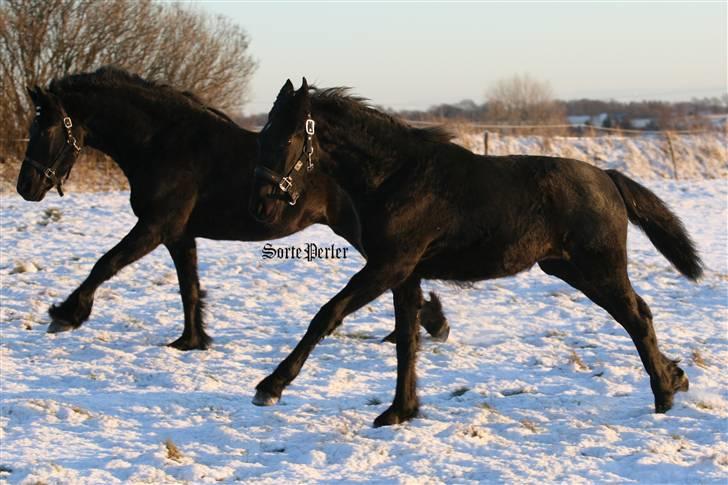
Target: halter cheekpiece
<point x="289" y="183"/>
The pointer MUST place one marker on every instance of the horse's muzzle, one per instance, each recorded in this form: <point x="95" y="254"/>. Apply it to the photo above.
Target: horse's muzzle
<point x="31" y="185"/>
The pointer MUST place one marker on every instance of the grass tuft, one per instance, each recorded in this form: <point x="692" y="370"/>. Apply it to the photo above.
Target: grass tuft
<point x="173" y="452"/>
<point x="698" y="359"/>
<point x="576" y="361"/>
<point x="459" y="391"/>
<point x="529" y="425"/>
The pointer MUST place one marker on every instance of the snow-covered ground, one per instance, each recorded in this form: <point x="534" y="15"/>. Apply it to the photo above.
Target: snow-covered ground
<point x="535" y="383"/>
<point x="647" y="156"/>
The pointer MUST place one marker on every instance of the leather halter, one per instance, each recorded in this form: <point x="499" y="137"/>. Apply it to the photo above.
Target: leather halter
<point x="49" y="171"/>
<point x="289" y="183"/>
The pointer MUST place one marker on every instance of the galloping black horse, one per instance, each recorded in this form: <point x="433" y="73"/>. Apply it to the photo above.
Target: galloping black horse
<point x="430" y="209"/>
<point x="190" y="171"/>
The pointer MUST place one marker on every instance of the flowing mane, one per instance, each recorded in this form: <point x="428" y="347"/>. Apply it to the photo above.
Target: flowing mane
<point x="109" y="77"/>
<point x="339" y="100"/>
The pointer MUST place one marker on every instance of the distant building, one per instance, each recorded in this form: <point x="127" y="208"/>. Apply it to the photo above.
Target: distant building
<point x="596" y="120"/>
<point x="642" y="123"/>
<point x="718" y="121"/>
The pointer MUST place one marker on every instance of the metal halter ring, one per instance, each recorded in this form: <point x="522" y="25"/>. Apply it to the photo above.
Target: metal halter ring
<point x="285" y="184"/>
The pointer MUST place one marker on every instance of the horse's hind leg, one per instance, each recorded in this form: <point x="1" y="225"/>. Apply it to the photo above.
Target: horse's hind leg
<point x="184" y="255"/>
<point x="431" y="318"/>
<point x="407" y="301"/>
<point x="70" y="314"/>
<point x="608" y="286"/>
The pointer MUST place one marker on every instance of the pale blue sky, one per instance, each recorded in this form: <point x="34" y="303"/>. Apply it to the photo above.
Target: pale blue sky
<point x="413" y="55"/>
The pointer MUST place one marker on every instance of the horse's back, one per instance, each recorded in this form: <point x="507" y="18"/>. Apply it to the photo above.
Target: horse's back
<point x="563" y="184"/>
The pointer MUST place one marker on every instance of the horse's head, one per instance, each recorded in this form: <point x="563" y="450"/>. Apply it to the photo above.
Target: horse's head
<point x="287" y="154"/>
<point x="53" y="146"/>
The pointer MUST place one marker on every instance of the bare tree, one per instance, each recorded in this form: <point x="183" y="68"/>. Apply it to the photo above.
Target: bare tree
<point x="522" y="100"/>
<point x="44" y="39"/>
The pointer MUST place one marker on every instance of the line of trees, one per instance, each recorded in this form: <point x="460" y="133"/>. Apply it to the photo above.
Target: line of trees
<point x="523" y="100"/>
<point x="44" y="39"/>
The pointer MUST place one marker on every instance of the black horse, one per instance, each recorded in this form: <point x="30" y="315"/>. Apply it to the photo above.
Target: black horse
<point x="190" y="171"/>
<point x="430" y="209"/>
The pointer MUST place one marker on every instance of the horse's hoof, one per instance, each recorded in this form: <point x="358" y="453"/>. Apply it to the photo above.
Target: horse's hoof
<point x="391" y="417"/>
<point x="264" y="399"/>
<point x="442" y="334"/>
<point x="58" y="326"/>
<point x="185" y="344"/>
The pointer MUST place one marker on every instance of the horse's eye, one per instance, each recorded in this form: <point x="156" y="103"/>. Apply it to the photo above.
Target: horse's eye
<point x="290" y="140"/>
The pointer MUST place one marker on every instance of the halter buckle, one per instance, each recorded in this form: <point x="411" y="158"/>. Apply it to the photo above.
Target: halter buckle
<point x="285" y="184"/>
<point x="49" y="173"/>
<point x="310" y="127"/>
<point x="67" y="122"/>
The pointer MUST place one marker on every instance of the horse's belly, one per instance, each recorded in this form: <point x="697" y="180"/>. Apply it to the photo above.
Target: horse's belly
<point x="488" y="260"/>
<point x="470" y="266"/>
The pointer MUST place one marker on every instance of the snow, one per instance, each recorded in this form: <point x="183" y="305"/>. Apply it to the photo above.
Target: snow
<point x="646" y="157"/>
<point x="535" y="383"/>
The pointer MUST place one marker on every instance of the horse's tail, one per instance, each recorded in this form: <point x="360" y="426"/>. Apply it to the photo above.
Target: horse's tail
<point x="661" y="225"/>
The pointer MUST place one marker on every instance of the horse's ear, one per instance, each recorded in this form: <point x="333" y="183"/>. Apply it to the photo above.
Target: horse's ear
<point x="304" y="85"/>
<point x="286" y="90"/>
<point x="32" y="92"/>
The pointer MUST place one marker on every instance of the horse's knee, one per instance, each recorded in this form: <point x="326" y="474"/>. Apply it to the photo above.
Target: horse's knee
<point x="328" y="318"/>
<point x="330" y="329"/>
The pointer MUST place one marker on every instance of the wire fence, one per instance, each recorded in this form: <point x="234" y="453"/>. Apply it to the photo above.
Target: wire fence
<point x="579" y="129"/>
<point x="573" y="130"/>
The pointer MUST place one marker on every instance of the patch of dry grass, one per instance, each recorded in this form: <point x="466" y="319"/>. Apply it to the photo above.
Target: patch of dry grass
<point x="576" y="361"/>
<point x="698" y="359"/>
<point x="173" y="452"/>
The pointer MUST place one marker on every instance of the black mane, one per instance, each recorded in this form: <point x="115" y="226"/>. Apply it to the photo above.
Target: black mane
<point x="339" y="100"/>
<point x="110" y="77"/>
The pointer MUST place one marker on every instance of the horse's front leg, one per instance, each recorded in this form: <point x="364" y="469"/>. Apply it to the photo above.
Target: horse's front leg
<point x="184" y="255"/>
<point x="365" y="286"/>
<point x="70" y="314"/>
<point x="407" y="301"/>
<point x="343" y="218"/>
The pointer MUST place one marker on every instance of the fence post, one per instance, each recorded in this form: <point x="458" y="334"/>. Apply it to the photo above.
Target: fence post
<point x="485" y="142"/>
<point x="672" y="155"/>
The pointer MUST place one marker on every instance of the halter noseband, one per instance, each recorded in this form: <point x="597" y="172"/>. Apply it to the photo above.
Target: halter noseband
<point x="288" y="183"/>
<point x="50" y="171"/>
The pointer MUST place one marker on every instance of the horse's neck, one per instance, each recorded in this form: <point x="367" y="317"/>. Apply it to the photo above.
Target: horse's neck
<point x="358" y="163"/>
<point x="119" y="131"/>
